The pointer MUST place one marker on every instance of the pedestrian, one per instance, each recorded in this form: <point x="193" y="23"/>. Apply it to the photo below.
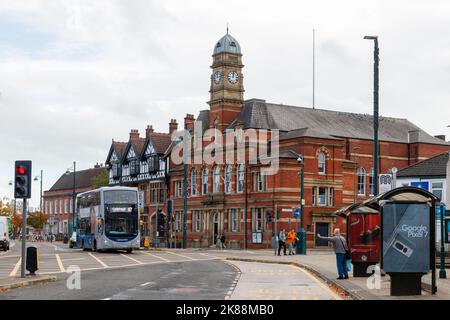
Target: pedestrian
<point x="274" y="242"/>
<point x="218" y="243"/>
<point x="282" y="241"/>
<point x="222" y="241"/>
<point x="290" y="240"/>
<point x="340" y="249"/>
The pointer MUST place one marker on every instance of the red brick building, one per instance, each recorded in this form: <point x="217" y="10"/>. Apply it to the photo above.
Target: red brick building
<point x="235" y="199"/>
<point x="58" y="203"/>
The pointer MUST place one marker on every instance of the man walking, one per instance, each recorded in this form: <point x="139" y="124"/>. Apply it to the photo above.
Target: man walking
<point x="340" y="249"/>
<point x="282" y="241"/>
<point x="222" y="241"/>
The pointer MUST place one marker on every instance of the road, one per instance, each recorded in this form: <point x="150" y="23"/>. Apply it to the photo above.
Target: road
<point x="167" y="274"/>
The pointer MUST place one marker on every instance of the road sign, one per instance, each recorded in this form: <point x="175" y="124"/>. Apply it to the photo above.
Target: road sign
<point x="385" y="182"/>
<point x="296" y="213"/>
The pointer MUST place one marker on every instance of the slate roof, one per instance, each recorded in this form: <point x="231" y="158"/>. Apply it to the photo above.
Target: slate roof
<point x="203" y="116"/>
<point x="432" y="167"/>
<point x="83" y="179"/>
<point x="258" y="114"/>
<point x="160" y="141"/>
<point x="119" y="148"/>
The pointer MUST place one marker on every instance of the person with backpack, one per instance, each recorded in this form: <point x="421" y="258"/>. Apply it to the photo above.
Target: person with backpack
<point x="341" y="250"/>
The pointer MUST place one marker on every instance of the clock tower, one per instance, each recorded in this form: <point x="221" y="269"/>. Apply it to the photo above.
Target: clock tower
<point x="227" y="90"/>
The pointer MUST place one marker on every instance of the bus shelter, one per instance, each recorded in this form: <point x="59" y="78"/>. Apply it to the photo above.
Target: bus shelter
<point x="408" y="236"/>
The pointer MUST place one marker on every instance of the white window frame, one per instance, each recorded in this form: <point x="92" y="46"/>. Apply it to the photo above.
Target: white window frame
<point x="362" y="176"/>
<point x="325" y="197"/>
<point x="258" y="216"/>
<point x="205" y="181"/>
<point x="441" y="188"/>
<point x="240" y="178"/>
<point x="228" y="179"/>
<point x="234" y="218"/>
<point x="371" y="182"/>
<point x="216" y="179"/>
<point x="194" y="177"/>
<point x="322" y="163"/>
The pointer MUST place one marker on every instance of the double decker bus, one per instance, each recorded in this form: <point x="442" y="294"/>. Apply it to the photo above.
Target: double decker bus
<point x="108" y="219"/>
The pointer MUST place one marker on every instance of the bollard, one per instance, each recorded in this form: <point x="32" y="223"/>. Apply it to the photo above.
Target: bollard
<point x="32" y="261"/>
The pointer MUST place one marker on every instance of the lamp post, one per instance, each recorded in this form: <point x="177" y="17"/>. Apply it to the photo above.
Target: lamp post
<point x="442" y="272"/>
<point x="301" y="247"/>
<point x="375" y="110"/>
<point x="73" y="195"/>
<point x="40" y="199"/>
<point x="185" y="168"/>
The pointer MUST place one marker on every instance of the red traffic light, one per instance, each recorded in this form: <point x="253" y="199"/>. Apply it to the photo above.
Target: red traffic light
<point x="20" y="170"/>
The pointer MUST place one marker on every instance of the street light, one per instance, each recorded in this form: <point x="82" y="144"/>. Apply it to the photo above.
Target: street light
<point x="37" y="178"/>
<point x="375" y="110"/>
<point x="73" y="195"/>
<point x="301" y="247"/>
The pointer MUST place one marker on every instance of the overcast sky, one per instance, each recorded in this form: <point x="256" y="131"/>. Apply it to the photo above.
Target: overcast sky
<point x="75" y="74"/>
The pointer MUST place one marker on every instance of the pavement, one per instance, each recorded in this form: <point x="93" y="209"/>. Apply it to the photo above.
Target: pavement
<point x="322" y="264"/>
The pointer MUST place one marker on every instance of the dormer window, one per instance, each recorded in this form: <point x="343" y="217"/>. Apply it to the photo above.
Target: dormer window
<point x="218" y="45"/>
<point x="232" y="44"/>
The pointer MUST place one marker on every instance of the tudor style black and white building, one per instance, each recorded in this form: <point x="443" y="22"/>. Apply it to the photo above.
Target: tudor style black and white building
<point x="140" y="163"/>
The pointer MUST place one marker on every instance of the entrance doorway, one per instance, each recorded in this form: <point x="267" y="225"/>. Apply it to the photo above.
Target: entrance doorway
<point x="215" y="227"/>
<point x="323" y="229"/>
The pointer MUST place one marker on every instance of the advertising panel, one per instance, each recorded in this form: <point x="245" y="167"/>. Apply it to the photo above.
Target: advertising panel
<point x="421" y="184"/>
<point x="385" y="182"/>
<point x="406" y="237"/>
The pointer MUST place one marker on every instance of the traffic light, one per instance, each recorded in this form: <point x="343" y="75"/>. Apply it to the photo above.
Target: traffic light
<point x="22" y="180"/>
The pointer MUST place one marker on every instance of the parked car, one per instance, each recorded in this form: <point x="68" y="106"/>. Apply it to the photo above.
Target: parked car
<point x="73" y="240"/>
<point x="4" y="238"/>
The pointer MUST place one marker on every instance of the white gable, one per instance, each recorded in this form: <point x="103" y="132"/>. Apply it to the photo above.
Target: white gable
<point x="114" y="157"/>
<point x="131" y="153"/>
<point x="150" y="149"/>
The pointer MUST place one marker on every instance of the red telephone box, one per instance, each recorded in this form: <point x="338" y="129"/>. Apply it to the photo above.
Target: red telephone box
<point x="363" y="237"/>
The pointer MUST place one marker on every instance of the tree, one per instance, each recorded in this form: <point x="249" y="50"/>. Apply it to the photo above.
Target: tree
<point x="6" y="208"/>
<point x="102" y="180"/>
<point x="17" y="223"/>
<point x="37" y="220"/>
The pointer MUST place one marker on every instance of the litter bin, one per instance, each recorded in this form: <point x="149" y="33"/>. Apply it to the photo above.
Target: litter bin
<point x="66" y="239"/>
<point x="32" y="262"/>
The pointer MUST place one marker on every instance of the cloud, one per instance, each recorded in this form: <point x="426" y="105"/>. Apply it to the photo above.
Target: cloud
<point x="75" y="74"/>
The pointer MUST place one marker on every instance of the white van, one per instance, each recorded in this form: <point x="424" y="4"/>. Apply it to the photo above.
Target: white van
<point x="4" y="236"/>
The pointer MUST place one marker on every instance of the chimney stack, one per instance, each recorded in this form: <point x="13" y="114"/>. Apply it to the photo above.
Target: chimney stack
<point x="148" y="131"/>
<point x="189" y="121"/>
<point x="134" y="134"/>
<point x="173" y="126"/>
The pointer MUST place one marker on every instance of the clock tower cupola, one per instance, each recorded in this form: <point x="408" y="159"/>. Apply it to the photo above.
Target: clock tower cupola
<point x="227" y="90"/>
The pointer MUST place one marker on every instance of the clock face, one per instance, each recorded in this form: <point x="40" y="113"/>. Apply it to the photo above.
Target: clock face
<point x="233" y="77"/>
<point x="217" y="76"/>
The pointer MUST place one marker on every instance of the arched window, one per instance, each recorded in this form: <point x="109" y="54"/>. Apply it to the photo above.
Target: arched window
<point x="228" y="186"/>
<point x="240" y="178"/>
<point x="371" y="183"/>
<point x="216" y="179"/>
<point x="193" y="182"/>
<point x="322" y="162"/>
<point x="205" y="181"/>
<point x="361" y="181"/>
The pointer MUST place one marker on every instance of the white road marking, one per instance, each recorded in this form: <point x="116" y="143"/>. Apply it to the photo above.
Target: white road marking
<point x="181" y="255"/>
<point x="16" y="268"/>
<point x="145" y="284"/>
<point x="132" y="259"/>
<point x="155" y="256"/>
<point x="98" y="260"/>
<point x="60" y="264"/>
<point x="106" y="299"/>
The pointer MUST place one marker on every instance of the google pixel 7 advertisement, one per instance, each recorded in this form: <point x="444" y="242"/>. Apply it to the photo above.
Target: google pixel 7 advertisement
<point x="406" y="237"/>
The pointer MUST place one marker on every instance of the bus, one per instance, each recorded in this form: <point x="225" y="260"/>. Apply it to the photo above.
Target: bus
<point x="108" y="219"/>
